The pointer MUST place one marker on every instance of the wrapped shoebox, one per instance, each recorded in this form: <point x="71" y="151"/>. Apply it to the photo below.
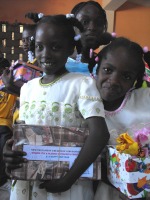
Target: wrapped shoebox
<point x="51" y="151"/>
<point x="22" y="72"/>
<point x="129" y="174"/>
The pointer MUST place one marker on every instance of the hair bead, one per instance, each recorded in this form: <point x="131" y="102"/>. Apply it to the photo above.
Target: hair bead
<point x="69" y="15"/>
<point x="91" y="53"/>
<point x="40" y="15"/>
<point x="145" y="49"/>
<point x="31" y="38"/>
<point x="30" y="56"/>
<point x="113" y="34"/>
<point x="96" y="59"/>
<point x="77" y="37"/>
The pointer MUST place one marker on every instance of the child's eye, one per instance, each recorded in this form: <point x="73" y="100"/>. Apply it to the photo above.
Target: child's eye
<point x="107" y="70"/>
<point x="127" y="77"/>
<point x="39" y="47"/>
<point x="56" y="47"/>
<point x="84" y="22"/>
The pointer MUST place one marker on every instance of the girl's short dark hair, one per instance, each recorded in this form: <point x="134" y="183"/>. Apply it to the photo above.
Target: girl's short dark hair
<point x="134" y="50"/>
<point x="4" y="63"/>
<point x="68" y="25"/>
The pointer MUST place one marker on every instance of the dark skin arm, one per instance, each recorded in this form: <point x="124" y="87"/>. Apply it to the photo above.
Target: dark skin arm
<point x="7" y="78"/>
<point x="93" y="146"/>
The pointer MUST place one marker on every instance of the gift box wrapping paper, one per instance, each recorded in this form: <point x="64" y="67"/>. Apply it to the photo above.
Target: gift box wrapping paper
<point x="51" y="152"/>
<point x="22" y="72"/>
<point x="129" y="174"/>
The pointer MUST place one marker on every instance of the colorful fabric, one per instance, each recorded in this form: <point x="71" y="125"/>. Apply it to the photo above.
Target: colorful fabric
<point x="79" y="67"/>
<point x="7" y="102"/>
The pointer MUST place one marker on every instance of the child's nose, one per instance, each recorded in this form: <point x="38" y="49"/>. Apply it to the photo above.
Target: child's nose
<point x="91" y="26"/>
<point x="115" y="78"/>
<point x="47" y="52"/>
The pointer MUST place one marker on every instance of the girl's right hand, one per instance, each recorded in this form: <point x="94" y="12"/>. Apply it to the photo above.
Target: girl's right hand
<point x="12" y="159"/>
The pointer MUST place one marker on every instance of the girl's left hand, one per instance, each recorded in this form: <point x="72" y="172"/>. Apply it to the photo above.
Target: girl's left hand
<point x="7" y="77"/>
<point x="56" y="186"/>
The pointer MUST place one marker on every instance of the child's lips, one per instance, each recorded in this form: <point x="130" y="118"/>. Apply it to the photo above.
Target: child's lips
<point x="90" y="34"/>
<point x="112" y="90"/>
<point x="47" y="64"/>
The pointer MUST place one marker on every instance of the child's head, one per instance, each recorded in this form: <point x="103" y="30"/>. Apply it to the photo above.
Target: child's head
<point x="93" y="18"/>
<point x="54" y="42"/>
<point x="28" y="32"/>
<point x="121" y="66"/>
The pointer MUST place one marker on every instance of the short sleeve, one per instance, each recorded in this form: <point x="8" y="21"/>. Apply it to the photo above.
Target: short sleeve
<point x="89" y="102"/>
<point x="23" y="93"/>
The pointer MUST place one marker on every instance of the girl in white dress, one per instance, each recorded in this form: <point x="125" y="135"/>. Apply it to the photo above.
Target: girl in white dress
<point x="119" y="80"/>
<point x="78" y="105"/>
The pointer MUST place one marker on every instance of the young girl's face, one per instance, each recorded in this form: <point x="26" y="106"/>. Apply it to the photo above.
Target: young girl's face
<point x="93" y="23"/>
<point x="26" y="38"/>
<point x="117" y="74"/>
<point x="51" y="48"/>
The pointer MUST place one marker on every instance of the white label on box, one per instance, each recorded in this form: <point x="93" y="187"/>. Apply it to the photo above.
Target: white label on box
<point x="55" y="153"/>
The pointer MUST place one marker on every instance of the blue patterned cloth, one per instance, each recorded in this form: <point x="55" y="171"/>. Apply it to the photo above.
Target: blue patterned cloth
<point x="79" y="67"/>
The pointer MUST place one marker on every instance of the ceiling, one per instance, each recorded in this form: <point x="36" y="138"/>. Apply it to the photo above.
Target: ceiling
<point x="115" y="4"/>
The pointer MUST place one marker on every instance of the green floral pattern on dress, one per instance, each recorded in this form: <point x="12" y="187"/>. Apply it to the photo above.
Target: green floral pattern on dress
<point x="41" y="112"/>
<point x="98" y="110"/>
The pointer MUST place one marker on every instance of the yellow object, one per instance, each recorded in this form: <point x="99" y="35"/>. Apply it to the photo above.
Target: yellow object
<point x="133" y="149"/>
<point x="144" y="85"/>
<point x="7" y="102"/>
<point x="32" y="61"/>
<point x="141" y="182"/>
<point x="16" y="115"/>
<point x="127" y="144"/>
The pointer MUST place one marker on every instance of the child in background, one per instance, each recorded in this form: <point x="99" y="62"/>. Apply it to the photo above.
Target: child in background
<point x="79" y="105"/>
<point x="93" y="18"/>
<point x="119" y="80"/>
<point x="28" y="43"/>
<point x="7" y="102"/>
<point x="28" y="47"/>
<point x="7" y="78"/>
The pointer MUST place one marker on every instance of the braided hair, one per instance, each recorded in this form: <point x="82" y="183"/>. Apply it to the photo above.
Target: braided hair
<point x="106" y="38"/>
<point x="134" y="49"/>
<point x="61" y="20"/>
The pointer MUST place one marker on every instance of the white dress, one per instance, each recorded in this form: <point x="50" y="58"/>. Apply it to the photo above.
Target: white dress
<point x="59" y="103"/>
<point x="133" y="111"/>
